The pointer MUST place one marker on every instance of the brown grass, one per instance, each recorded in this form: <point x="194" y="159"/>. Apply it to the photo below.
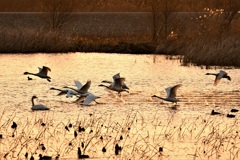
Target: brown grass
<point x="139" y="137"/>
<point x="198" y="39"/>
<point x="205" y="51"/>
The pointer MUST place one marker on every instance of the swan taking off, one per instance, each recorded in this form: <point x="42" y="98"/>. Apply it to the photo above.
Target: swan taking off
<point x="42" y="73"/>
<point x="82" y="89"/>
<point x="171" y="94"/>
<point x="88" y="98"/>
<point x="124" y="86"/>
<point x="84" y="99"/>
<point x="116" y="85"/>
<point x="38" y="106"/>
<point x="219" y="76"/>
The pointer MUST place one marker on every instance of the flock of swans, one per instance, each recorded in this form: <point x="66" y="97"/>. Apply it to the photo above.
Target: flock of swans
<point x="118" y="85"/>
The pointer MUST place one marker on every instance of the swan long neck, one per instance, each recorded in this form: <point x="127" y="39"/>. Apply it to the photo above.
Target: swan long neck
<point x="159" y="97"/>
<point x="32" y="101"/>
<point x="102" y="85"/>
<point x="31" y="73"/>
<point x="56" y="89"/>
<point x="76" y="90"/>
<point x="212" y="74"/>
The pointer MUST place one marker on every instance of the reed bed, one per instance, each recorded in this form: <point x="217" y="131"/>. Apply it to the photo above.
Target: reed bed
<point x="209" y="52"/>
<point x="25" y="40"/>
<point x="133" y="136"/>
<point x="195" y="36"/>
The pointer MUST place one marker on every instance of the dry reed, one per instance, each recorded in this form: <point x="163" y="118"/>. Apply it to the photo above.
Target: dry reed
<point x="132" y="137"/>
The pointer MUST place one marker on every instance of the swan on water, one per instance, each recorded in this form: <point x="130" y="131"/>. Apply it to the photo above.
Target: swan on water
<point x="42" y="73"/>
<point x="171" y="94"/>
<point x="219" y="76"/>
<point x="38" y="106"/>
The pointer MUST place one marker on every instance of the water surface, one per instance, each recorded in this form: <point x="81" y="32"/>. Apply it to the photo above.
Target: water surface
<point x="180" y="132"/>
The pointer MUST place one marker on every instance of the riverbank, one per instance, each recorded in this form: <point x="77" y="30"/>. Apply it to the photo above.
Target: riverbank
<point x="117" y="33"/>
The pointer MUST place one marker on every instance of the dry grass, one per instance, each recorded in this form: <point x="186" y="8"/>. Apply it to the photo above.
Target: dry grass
<point x="133" y="137"/>
<point x="197" y="39"/>
<point x="208" y="52"/>
<point x="23" y="40"/>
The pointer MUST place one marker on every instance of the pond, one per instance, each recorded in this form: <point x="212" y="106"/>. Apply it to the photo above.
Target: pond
<point x="144" y="127"/>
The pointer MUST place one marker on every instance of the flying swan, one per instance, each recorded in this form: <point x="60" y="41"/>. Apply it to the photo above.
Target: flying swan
<point x="219" y="76"/>
<point x="42" y="73"/>
<point x="116" y="85"/>
<point x="124" y="86"/>
<point x="81" y="89"/>
<point x="171" y="94"/>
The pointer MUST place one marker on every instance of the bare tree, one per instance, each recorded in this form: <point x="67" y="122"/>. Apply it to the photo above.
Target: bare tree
<point x="162" y="12"/>
<point x="57" y="13"/>
<point x="230" y="10"/>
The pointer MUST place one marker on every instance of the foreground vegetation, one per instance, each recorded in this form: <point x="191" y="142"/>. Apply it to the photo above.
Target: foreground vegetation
<point x="133" y="137"/>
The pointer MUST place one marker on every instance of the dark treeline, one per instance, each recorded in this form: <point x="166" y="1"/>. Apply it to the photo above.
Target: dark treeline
<point x="108" y="5"/>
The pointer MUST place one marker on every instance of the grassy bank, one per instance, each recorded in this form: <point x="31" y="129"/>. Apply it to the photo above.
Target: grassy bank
<point x="202" y="51"/>
<point x="198" y="40"/>
<point x="34" y="41"/>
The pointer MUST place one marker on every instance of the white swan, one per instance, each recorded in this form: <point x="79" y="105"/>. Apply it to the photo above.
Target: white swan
<point x="124" y="86"/>
<point x="80" y="88"/>
<point x="42" y="73"/>
<point x="38" y="106"/>
<point x="116" y="85"/>
<point x="83" y="99"/>
<point x="88" y="98"/>
<point x="219" y="76"/>
<point x="171" y="94"/>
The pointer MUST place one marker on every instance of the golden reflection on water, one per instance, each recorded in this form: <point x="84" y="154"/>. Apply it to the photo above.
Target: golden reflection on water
<point x="185" y="133"/>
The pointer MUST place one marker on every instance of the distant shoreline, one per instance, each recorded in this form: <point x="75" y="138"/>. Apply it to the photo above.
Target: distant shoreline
<point x="117" y="32"/>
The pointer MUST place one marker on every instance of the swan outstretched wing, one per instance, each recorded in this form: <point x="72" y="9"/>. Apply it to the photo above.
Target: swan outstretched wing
<point x="85" y="87"/>
<point x="89" y="98"/>
<point x="116" y="76"/>
<point x="220" y="75"/>
<point x="78" y="84"/>
<point x="118" y="83"/>
<point x="172" y="91"/>
<point x="168" y="91"/>
<point x="44" y="70"/>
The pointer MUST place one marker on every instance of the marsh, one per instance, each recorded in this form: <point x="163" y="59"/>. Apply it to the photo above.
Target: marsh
<point x="149" y="128"/>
